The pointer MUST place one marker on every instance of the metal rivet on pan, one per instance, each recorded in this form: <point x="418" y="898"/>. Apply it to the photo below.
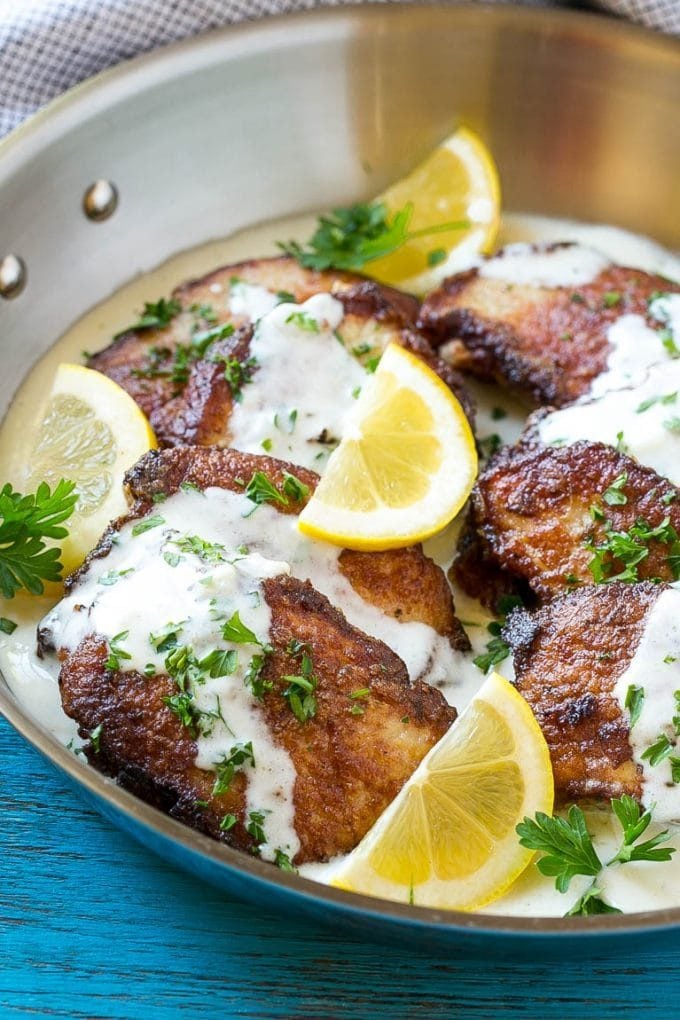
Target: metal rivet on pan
<point x="100" y="201"/>
<point x="12" y="276"/>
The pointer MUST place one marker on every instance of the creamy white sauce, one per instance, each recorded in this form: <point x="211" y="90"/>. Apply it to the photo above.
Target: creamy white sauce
<point x="648" y="417"/>
<point x="250" y="300"/>
<point x="569" y="266"/>
<point x="304" y="384"/>
<point x="633" y="887"/>
<point x="655" y="668"/>
<point x="635" y="347"/>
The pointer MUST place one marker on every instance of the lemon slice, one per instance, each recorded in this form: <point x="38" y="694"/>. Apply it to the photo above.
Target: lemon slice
<point x="448" y="839"/>
<point x="458" y="181"/>
<point x="91" y="433"/>
<point x="405" y="465"/>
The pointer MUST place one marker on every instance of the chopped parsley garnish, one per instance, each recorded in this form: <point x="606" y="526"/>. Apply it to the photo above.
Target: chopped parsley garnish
<point x="255" y="826"/>
<point x="238" y="374"/>
<point x="611" y="298"/>
<point x="167" y="637"/>
<point x="182" y="705"/>
<point x="95" y="738"/>
<point x="303" y="321"/>
<point x="113" y="576"/>
<point x="672" y="424"/>
<point x="614" y="495"/>
<point x="635" y="697"/>
<point x="25" y="523"/>
<point x="349" y="238"/>
<point x="266" y="445"/>
<point x="497" y="649"/>
<point x="283" y="861"/>
<point x="634" y="823"/>
<point x="669" y="343"/>
<point x="659" y="750"/>
<point x="667" y="398"/>
<point x="206" y="313"/>
<point x="208" y="552"/>
<point x="7" y="626"/>
<point x="228" y="822"/>
<point x="361" y="349"/>
<point x="629" y="549"/>
<point x="436" y="257"/>
<point x="260" y="490"/>
<point x="253" y="679"/>
<point x="301" y="686"/>
<point x="239" y="756"/>
<point x="284" y="297"/>
<point x="489" y="445"/>
<point x="116" y="653"/>
<point x="294" y="488"/>
<point x="146" y="524"/>
<point x="371" y="364"/>
<point x="219" y="662"/>
<point x="498" y="413"/>
<point x="156" y="315"/>
<point x="235" y="630"/>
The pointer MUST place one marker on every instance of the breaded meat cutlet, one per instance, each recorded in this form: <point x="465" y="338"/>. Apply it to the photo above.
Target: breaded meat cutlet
<point x="371" y="725"/>
<point x="555" y="518"/>
<point x="177" y="373"/>
<point x="568" y="656"/>
<point x="348" y="766"/>
<point x="547" y="343"/>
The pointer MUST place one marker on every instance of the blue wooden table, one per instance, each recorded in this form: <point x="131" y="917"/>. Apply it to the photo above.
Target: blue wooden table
<point x="94" y="926"/>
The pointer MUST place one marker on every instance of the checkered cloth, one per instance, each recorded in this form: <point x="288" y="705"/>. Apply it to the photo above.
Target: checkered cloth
<point x="46" y="46"/>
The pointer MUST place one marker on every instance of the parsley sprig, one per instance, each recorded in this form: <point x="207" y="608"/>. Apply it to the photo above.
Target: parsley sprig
<point x="25" y="523"/>
<point x="567" y="848"/>
<point x="349" y="238"/>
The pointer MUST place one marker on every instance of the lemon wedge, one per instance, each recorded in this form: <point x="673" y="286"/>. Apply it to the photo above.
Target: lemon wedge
<point x="405" y="465"/>
<point x="91" y="432"/>
<point x="457" y="182"/>
<point x="448" y="839"/>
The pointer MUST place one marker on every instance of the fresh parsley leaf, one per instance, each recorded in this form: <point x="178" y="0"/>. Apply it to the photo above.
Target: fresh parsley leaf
<point x="634" y="823"/>
<point x="591" y="903"/>
<point x="611" y="298"/>
<point x="95" y="738"/>
<point x="208" y="552"/>
<point x="146" y="524"/>
<point x="253" y="679"/>
<point x="116" y="653"/>
<point x="235" y="631"/>
<point x="220" y="662"/>
<point x="349" y="238"/>
<point x="669" y="343"/>
<point x="436" y="257"/>
<point x="7" y="626"/>
<point x="238" y="374"/>
<point x="113" y="576"/>
<point x="260" y="490"/>
<point x="496" y="651"/>
<point x="672" y="424"/>
<point x="658" y="751"/>
<point x="294" y="488"/>
<point x="228" y="822"/>
<point x="488" y="445"/>
<point x="635" y="697"/>
<point x="182" y="705"/>
<point x="283" y="861"/>
<point x="614" y="495"/>
<point x="303" y="321"/>
<point x="255" y="826"/>
<point x="565" y="843"/>
<point x="156" y="315"/>
<point x="25" y="523"/>
<point x="668" y="398"/>
<point x="239" y="756"/>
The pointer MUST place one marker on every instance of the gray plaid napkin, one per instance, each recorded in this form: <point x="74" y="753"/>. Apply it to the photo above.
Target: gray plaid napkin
<point x="46" y="46"/>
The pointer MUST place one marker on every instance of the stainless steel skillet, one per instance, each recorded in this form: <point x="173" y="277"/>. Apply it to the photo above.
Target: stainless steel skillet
<point x="297" y="113"/>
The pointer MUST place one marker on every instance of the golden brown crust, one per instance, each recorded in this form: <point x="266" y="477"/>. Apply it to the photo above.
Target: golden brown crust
<point x="545" y="343"/>
<point x="532" y="516"/>
<point x="568" y="656"/>
<point x="196" y="408"/>
<point x="349" y="766"/>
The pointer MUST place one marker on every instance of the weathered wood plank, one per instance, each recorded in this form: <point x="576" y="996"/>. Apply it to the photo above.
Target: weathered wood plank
<point x="93" y="926"/>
